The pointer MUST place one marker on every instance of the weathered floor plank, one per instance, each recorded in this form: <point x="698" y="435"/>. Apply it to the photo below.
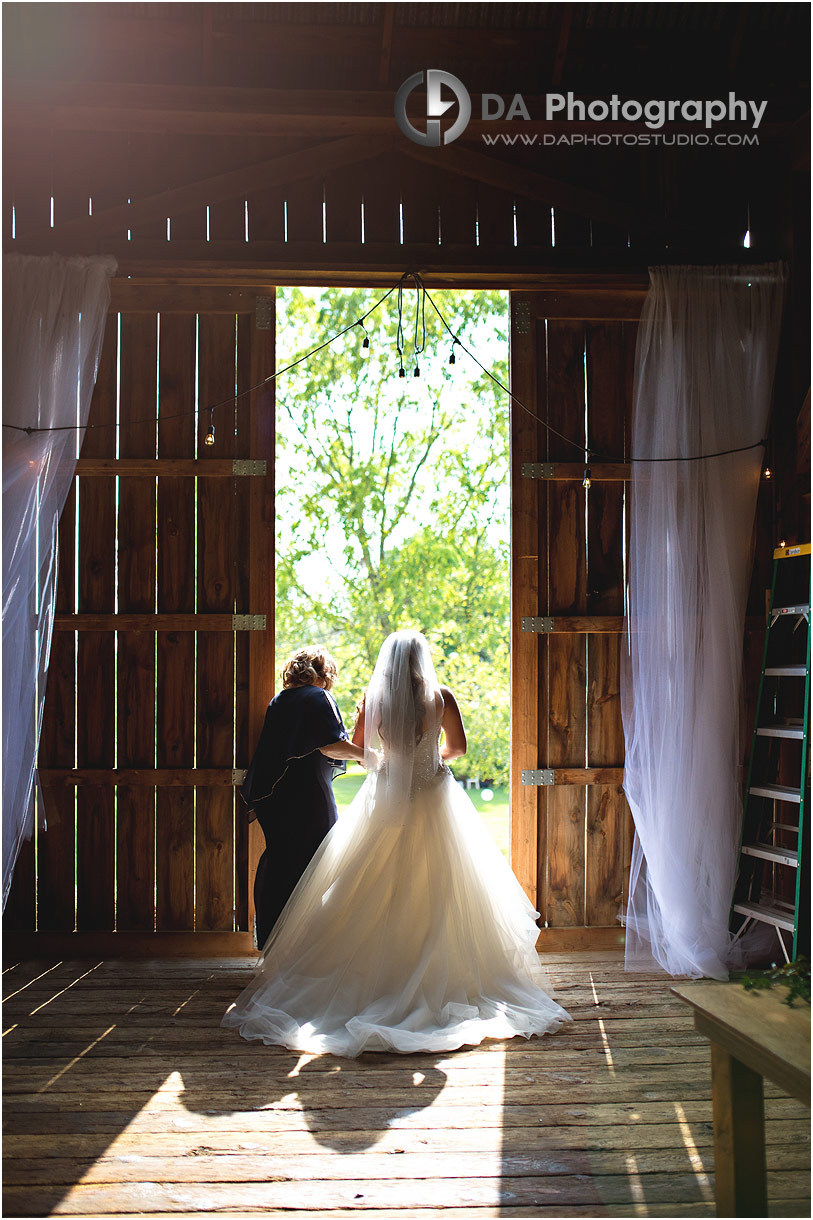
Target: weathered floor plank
<point x="124" y="1097"/>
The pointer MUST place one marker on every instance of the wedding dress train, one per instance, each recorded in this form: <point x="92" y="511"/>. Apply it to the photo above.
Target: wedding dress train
<point x="408" y="932"/>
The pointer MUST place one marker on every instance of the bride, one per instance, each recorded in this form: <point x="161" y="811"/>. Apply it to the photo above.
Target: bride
<point x="408" y="930"/>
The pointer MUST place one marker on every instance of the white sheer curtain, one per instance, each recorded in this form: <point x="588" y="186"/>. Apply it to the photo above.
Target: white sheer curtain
<point x="54" y="312"/>
<point x="704" y="368"/>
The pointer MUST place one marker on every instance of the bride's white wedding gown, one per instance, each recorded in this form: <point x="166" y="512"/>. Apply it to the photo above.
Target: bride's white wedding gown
<point x="407" y="932"/>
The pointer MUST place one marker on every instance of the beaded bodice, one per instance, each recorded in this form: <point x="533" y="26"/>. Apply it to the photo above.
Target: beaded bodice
<point x="427" y="768"/>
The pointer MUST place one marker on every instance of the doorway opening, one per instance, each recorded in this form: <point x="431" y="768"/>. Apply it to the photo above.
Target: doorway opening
<point x="392" y="504"/>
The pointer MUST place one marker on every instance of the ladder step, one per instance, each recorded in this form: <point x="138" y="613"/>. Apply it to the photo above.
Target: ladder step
<point x="766" y="851"/>
<point x="785" y="671"/>
<point x="784" y="729"/>
<point x="777" y="792"/>
<point x="784" y="826"/>
<point x="805" y="609"/>
<point x="766" y="914"/>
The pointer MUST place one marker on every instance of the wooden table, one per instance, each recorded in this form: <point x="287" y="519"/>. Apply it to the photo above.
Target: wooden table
<point x="753" y="1035"/>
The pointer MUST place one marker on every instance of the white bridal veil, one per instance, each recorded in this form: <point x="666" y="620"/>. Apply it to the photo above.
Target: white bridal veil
<point x="402" y="707"/>
<point x="54" y="311"/>
<point x="704" y="369"/>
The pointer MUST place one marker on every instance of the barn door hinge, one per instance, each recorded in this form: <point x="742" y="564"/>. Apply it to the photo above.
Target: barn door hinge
<point x="249" y="466"/>
<point x="537" y="779"/>
<point x="262" y="313"/>
<point x="538" y="470"/>
<point x="248" y="622"/>
<point x="539" y="625"/>
<point x="522" y="317"/>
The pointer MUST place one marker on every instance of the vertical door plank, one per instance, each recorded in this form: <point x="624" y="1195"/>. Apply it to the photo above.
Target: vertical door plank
<point x="266" y="207"/>
<point x="304" y="209"/>
<point x="144" y="174"/>
<point x="630" y="341"/>
<point x="244" y="560"/>
<point x="135" y="871"/>
<point x="56" y="894"/>
<point x="606" y="807"/>
<point x="26" y="157"/>
<point x="175" y="738"/>
<point x="420" y="203"/>
<point x="528" y="500"/>
<point x="533" y="218"/>
<point x="217" y="544"/>
<point x="20" y="913"/>
<point x="458" y="211"/>
<point x="343" y="205"/>
<point x="567" y="574"/>
<point x="227" y="217"/>
<point x="261" y="591"/>
<point x="381" y="198"/>
<point x="570" y="231"/>
<point x="495" y="216"/>
<point x="96" y="720"/>
<point x="185" y="160"/>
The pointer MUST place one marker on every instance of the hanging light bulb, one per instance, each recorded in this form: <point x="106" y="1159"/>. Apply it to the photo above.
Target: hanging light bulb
<point x="365" y="346"/>
<point x="417" y="372"/>
<point x="586" y="481"/>
<point x="451" y="354"/>
<point x="402" y="371"/>
<point x="782" y="542"/>
<point x="767" y="473"/>
<point x="209" y="439"/>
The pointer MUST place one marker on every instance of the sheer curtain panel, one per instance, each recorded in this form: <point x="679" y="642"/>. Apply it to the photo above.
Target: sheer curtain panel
<point x="704" y="369"/>
<point x="54" y="312"/>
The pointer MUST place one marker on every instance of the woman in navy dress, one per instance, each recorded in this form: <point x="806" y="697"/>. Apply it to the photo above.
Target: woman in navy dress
<point x="288" y="787"/>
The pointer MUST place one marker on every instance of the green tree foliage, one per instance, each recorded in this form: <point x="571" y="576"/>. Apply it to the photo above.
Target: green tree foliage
<point x="393" y="498"/>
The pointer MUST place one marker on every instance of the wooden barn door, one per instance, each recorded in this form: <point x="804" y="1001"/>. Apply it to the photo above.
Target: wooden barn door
<point x="571" y="364"/>
<point x="162" y="657"/>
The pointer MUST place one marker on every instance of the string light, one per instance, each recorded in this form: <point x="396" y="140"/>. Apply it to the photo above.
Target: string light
<point x="767" y="473"/>
<point x="209" y="439"/>
<point x="586" y="480"/>
<point x="419" y="345"/>
<point x="782" y="542"/>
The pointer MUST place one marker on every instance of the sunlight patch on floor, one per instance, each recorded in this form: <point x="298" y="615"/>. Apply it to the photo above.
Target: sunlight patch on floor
<point x="75" y="1060"/>
<point x="695" y="1159"/>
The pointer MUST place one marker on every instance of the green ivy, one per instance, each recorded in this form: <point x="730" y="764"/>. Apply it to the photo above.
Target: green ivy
<point x="794" y="975"/>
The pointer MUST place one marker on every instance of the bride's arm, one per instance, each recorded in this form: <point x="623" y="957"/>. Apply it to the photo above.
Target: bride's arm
<point x="454" y="735"/>
<point x="358" y="731"/>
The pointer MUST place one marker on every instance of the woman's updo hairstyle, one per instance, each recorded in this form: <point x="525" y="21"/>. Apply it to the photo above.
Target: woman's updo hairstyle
<point x="311" y="666"/>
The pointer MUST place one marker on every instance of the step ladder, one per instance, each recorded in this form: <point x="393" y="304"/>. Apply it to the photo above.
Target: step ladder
<point x="772" y="884"/>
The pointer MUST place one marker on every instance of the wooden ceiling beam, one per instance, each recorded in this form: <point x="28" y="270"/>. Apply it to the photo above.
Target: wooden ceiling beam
<point x="386" y="44"/>
<point x="245" y="264"/>
<point x="112" y="31"/>
<point x="216" y="110"/>
<point x="561" y="46"/>
<point x="528" y="184"/>
<point x="280" y="171"/>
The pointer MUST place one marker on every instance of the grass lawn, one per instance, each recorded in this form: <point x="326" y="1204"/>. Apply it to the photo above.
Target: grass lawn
<point x="494" y="813"/>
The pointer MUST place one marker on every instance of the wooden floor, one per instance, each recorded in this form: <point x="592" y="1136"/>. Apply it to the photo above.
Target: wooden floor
<point x="124" y="1097"/>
